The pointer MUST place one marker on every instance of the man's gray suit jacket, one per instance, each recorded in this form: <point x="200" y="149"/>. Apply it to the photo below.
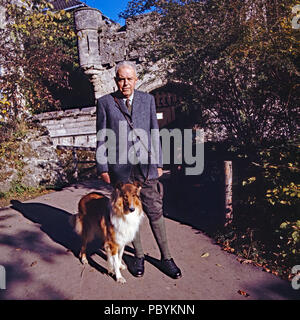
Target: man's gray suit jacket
<point x="144" y="117"/>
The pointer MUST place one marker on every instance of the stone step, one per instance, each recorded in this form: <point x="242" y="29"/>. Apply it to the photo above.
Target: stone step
<point x="69" y="119"/>
<point x="78" y="141"/>
<point x="64" y="132"/>
<point x="67" y="113"/>
<point x="70" y="124"/>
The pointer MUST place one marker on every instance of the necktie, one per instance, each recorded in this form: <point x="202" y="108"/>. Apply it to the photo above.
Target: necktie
<point x="128" y="105"/>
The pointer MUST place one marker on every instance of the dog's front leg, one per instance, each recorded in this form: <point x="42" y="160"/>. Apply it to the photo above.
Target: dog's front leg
<point x="122" y="265"/>
<point x="116" y="267"/>
<point x="110" y="267"/>
<point x="114" y="262"/>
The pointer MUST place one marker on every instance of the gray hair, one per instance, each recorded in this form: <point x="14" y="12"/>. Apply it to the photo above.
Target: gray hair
<point x="125" y="63"/>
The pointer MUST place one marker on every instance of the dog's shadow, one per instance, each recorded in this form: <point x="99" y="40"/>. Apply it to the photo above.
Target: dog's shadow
<point x="53" y="221"/>
<point x="56" y="224"/>
<point x="127" y="258"/>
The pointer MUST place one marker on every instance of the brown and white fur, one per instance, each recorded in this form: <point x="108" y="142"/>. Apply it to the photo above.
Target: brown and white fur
<point x="115" y="221"/>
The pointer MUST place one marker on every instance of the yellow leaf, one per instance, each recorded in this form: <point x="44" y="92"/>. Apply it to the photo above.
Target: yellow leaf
<point x="243" y="293"/>
<point x="205" y="255"/>
<point x="283" y="225"/>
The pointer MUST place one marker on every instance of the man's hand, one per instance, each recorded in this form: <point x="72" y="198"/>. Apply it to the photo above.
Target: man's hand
<point x="160" y="172"/>
<point x="105" y="177"/>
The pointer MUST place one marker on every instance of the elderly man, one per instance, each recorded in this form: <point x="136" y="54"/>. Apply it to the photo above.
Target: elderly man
<point x="136" y="110"/>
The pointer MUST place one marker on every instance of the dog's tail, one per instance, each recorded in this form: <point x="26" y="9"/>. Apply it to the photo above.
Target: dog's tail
<point x="76" y="223"/>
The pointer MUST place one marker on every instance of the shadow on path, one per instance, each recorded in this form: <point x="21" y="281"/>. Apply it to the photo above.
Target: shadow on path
<point x="53" y="221"/>
<point x="194" y="203"/>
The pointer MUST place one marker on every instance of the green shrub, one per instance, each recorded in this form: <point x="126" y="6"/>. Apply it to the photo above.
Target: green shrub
<point x="266" y="225"/>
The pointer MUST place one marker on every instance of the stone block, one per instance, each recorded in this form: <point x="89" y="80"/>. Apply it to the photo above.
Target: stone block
<point x="88" y="19"/>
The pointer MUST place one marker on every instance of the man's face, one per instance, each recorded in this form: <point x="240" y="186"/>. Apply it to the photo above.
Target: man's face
<point x="126" y="79"/>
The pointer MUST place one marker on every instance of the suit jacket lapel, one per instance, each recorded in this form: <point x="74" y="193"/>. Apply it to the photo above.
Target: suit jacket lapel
<point x="121" y="104"/>
<point x="124" y="108"/>
<point x="136" y="104"/>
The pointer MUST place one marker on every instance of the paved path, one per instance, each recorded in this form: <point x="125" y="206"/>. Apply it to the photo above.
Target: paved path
<point x="38" y="250"/>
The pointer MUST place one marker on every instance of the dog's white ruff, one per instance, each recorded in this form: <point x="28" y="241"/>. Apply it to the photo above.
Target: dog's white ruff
<point x="125" y="228"/>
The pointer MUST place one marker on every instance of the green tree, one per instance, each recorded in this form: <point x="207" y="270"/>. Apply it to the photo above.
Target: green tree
<point x="241" y="59"/>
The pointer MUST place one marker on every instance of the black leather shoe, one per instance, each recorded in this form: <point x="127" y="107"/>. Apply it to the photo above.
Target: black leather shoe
<point x="138" y="267"/>
<point x="170" y="268"/>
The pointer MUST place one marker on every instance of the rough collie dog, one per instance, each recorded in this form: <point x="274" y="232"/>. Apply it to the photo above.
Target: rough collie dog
<point x="115" y="221"/>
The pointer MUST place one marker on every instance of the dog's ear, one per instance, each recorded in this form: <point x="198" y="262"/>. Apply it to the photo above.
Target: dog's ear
<point x="137" y="183"/>
<point x="138" y="186"/>
<point x="119" y="185"/>
<point x="117" y="191"/>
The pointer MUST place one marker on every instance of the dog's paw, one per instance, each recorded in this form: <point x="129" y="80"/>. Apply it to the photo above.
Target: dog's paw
<point x="83" y="259"/>
<point x="123" y="266"/>
<point x="121" y="280"/>
<point x="111" y="272"/>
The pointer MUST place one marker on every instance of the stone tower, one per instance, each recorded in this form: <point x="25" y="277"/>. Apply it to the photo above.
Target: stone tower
<point x="103" y="43"/>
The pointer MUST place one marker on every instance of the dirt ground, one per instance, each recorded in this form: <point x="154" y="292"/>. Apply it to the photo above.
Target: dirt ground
<point x="39" y="252"/>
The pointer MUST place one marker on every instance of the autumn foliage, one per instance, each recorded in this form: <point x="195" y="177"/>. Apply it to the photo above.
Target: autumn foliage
<point x="36" y="45"/>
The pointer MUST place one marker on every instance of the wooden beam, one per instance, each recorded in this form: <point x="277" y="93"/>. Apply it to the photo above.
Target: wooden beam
<point x="228" y="192"/>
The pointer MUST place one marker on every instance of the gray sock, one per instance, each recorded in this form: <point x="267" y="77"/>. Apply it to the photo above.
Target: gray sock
<point x="159" y="231"/>
<point x="137" y="244"/>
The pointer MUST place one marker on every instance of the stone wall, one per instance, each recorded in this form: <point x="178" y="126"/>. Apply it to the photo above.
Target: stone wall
<point x="102" y="45"/>
<point x="35" y="163"/>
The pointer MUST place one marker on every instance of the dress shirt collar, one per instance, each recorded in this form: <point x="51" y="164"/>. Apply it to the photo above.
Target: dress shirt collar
<point x="130" y="99"/>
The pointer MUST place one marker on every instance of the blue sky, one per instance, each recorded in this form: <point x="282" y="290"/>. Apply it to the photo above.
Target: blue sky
<point x="110" y="8"/>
